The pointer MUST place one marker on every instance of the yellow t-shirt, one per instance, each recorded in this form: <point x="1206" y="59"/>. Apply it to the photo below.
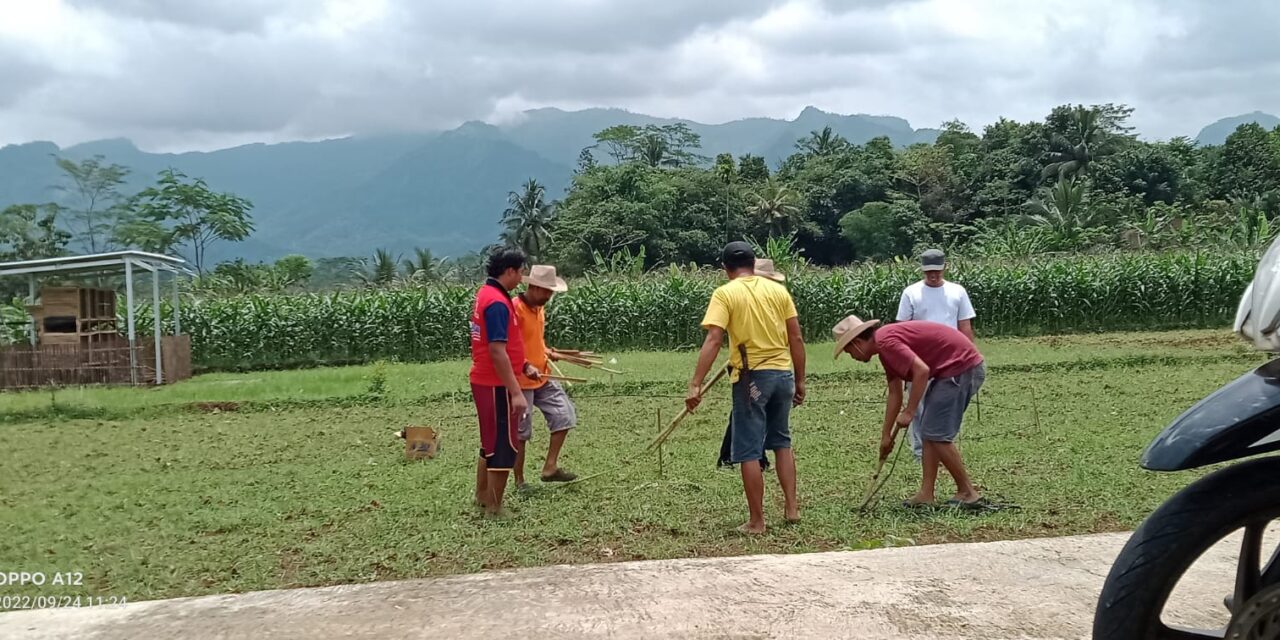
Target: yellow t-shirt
<point x="754" y="311"/>
<point x="532" y="323"/>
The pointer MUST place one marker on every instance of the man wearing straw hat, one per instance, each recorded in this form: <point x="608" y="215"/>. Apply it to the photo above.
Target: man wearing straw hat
<point x="765" y="343"/>
<point x="545" y="394"/>
<point x="945" y="370"/>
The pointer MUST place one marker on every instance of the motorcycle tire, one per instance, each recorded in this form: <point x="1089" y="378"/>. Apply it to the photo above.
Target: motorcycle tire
<point x="1172" y="538"/>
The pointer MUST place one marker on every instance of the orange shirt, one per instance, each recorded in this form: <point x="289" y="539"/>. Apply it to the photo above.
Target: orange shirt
<point x="532" y="323"/>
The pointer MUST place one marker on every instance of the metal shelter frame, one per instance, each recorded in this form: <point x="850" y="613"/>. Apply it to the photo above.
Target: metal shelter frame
<point x="111" y="263"/>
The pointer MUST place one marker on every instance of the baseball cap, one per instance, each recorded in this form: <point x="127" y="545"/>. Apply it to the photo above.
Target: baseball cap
<point x="737" y="251"/>
<point x="932" y="260"/>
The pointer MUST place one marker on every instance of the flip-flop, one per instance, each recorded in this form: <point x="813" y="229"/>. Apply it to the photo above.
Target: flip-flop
<point x="913" y="505"/>
<point x="981" y="504"/>
<point x="560" y="476"/>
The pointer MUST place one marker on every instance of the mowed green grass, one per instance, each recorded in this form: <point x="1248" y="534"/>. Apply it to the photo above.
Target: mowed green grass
<point x="302" y="483"/>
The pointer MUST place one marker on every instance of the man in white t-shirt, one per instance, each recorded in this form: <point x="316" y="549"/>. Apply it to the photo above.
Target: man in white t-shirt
<point x="936" y="300"/>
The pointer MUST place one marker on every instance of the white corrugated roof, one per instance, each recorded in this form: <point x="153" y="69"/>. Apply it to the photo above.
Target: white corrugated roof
<point x="113" y="261"/>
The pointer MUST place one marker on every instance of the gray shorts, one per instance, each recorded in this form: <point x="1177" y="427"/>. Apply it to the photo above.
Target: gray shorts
<point x="761" y="415"/>
<point x="945" y="402"/>
<point x="555" y="406"/>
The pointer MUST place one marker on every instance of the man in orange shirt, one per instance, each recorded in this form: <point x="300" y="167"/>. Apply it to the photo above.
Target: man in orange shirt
<point x="546" y="395"/>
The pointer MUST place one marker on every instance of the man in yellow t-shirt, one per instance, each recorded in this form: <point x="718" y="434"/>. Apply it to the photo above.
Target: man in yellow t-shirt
<point x="765" y="346"/>
<point x="546" y="395"/>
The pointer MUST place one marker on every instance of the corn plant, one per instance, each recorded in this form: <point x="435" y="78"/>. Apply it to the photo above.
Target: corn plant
<point x="662" y="309"/>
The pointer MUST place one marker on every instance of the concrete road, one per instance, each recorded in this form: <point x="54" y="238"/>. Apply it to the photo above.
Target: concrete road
<point x="1023" y="589"/>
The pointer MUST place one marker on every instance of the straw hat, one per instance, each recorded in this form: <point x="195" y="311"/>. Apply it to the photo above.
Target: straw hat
<point x="764" y="268"/>
<point x="544" y="275"/>
<point x="848" y="329"/>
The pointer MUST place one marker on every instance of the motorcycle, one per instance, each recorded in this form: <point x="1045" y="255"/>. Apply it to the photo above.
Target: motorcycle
<point x="1240" y="420"/>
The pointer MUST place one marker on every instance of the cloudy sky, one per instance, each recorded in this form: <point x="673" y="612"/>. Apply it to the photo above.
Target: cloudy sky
<point x="192" y="74"/>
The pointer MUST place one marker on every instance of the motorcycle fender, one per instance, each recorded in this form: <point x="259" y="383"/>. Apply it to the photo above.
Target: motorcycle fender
<point x="1239" y="420"/>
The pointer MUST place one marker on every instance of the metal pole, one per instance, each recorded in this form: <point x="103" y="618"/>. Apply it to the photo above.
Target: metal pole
<point x="155" y="321"/>
<point x="31" y="299"/>
<point x="128" y="314"/>
<point x="177" y="311"/>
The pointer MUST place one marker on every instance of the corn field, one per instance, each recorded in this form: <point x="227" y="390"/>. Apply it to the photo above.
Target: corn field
<point x="662" y="310"/>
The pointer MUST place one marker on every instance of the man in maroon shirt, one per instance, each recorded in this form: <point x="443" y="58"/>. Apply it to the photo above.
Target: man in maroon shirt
<point x="945" y="371"/>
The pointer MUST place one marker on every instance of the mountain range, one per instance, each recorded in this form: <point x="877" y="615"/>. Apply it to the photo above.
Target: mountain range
<point x="442" y="190"/>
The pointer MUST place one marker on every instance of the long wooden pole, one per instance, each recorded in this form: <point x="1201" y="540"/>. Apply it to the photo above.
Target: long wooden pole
<point x="872" y="488"/>
<point x="662" y="437"/>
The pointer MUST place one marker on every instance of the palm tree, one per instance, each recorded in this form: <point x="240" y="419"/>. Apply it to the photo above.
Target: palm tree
<point x="822" y="143"/>
<point x="1064" y="210"/>
<point x="654" y="151"/>
<point x="378" y="271"/>
<point x="776" y="206"/>
<point x="423" y="266"/>
<point x="528" y="219"/>
<point x="1088" y="138"/>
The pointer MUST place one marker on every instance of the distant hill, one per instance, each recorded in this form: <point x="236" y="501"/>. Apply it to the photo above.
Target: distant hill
<point x="445" y="191"/>
<point x="1217" y="132"/>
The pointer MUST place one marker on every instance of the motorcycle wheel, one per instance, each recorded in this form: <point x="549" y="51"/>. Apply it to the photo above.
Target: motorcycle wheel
<point x="1243" y="496"/>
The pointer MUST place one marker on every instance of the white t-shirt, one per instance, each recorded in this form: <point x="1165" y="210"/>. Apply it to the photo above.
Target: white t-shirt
<point x="948" y="304"/>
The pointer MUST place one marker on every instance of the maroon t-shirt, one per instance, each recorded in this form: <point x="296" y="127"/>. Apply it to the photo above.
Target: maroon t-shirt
<point x="946" y="351"/>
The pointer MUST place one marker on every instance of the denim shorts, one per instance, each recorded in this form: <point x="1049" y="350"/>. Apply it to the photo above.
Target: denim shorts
<point x="761" y="414"/>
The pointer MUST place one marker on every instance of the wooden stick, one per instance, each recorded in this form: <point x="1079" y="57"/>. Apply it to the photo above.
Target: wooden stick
<point x="551" y="376"/>
<point x="659" y="423"/>
<point x="662" y="437"/>
<point x="872" y="488"/>
<point x="608" y="370"/>
<point x="579" y="361"/>
<point x="558" y="372"/>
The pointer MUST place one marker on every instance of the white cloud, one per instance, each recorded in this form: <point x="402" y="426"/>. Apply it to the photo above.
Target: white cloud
<point x="173" y="74"/>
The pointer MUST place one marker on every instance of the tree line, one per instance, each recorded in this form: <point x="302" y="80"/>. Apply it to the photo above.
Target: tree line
<point x="1078" y="181"/>
<point x="177" y="214"/>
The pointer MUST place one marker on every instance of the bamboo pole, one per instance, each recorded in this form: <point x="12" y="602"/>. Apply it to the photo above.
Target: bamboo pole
<point x="872" y="488"/>
<point x="662" y="437"/>
<point x="661" y="470"/>
<point x="556" y="369"/>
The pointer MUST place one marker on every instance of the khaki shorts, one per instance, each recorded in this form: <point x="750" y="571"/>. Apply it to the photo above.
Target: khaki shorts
<point x="555" y="406"/>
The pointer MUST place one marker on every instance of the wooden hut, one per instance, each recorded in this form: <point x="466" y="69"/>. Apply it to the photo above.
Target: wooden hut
<point x="76" y="336"/>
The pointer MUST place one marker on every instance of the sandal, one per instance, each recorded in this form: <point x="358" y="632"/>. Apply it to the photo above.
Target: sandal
<point x="560" y="475"/>
<point x="981" y="504"/>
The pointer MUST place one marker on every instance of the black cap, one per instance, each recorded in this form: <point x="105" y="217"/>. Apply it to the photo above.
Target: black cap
<point x="932" y="260"/>
<point x="737" y="252"/>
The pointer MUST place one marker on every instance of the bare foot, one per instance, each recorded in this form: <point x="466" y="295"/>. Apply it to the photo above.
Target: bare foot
<point x="792" y="516"/>
<point x="750" y="530"/>
<point x="972" y="496"/>
<point x="919" y="499"/>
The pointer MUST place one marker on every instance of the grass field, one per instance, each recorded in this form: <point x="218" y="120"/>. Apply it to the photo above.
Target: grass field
<point x="295" y="479"/>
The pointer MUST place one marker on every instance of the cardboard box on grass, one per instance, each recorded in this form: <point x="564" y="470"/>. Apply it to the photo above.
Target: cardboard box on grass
<point x="420" y="442"/>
